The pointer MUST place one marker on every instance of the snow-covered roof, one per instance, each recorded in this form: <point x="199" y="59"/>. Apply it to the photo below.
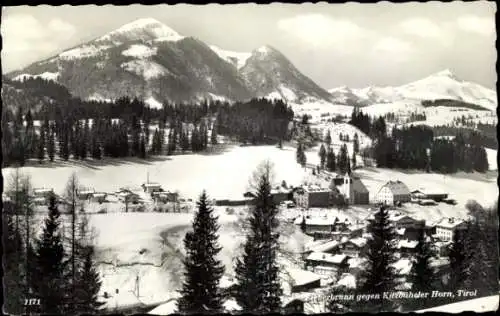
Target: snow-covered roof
<point x="98" y="194"/>
<point x="397" y="187"/>
<point x="86" y="191"/>
<point x="315" y="188"/>
<point x="151" y="184"/>
<point x="359" y="241"/>
<point x="325" y="246"/>
<point x="348" y="280"/>
<point x="427" y="191"/>
<point x="356" y="262"/>
<point x="42" y="190"/>
<point x="320" y="220"/>
<point x="231" y="305"/>
<point x="301" y="277"/>
<point x="326" y="257"/>
<point x="450" y="222"/>
<point x="407" y="244"/>
<point x="167" y="308"/>
<point x="403" y="266"/>
<point x="279" y="189"/>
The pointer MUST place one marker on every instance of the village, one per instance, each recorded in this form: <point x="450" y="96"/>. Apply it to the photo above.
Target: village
<point x="323" y="212"/>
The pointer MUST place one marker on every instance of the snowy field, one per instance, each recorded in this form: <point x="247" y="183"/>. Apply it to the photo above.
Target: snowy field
<point x="224" y="176"/>
<point x="145" y="251"/>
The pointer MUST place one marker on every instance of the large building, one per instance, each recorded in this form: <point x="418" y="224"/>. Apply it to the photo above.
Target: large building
<point x="393" y="192"/>
<point x="312" y="196"/>
<point x="354" y="191"/>
<point x="447" y="228"/>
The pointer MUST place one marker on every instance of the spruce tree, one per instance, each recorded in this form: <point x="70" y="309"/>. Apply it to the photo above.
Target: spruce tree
<point x="343" y="159"/>
<point x="379" y="275"/>
<point x="422" y="274"/>
<point x="328" y="138"/>
<point x="213" y="135"/>
<point x="457" y="257"/>
<point x="354" y="162"/>
<point x="12" y="271"/>
<point x="258" y="287"/>
<point x="331" y="164"/>
<point x="41" y="146"/>
<point x="51" y="146"/>
<point x="200" y="291"/>
<point x="355" y="144"/>
<point x="322" y="156"/>
<point x="89" y="284"/>
<point x="48" y="281"/>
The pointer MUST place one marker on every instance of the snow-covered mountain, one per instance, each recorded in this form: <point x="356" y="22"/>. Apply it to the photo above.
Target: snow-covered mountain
<point x="148" y="59"/>
<point x="438" y="86"/>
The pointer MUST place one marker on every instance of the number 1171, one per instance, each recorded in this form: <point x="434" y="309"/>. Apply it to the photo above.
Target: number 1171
<point x="31" y="301"/>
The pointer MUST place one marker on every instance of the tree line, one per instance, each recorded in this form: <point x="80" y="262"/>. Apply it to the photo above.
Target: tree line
<point x="53" y="273"/>
<point x="179" y="129"/>
<point x="256" y="121"/>
<point x="415" y="147"/>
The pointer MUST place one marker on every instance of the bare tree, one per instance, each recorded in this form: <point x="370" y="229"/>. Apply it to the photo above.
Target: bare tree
<point x="266" y="168"/>
<point x="71" y="195"/>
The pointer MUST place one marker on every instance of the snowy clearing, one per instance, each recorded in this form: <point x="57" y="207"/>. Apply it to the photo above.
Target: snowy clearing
<point x="224" y="176"/>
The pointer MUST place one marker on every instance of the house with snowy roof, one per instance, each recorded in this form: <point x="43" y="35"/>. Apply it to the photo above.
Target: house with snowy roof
<point x="393" y="192"/>
<point x="326" y="263"/>
<point x="300" y="280"/>
<point x="85" y="193"/>
<point x="355" y="247"/>
<point x="427" y="194"/>
<point x="150" y="187"/>
<point x="448" y="227"/>
<point x="280" y="194"/>
<point x="43" y="192"/>
<point x="407" y="247"/>
<point x="354" y="190"/>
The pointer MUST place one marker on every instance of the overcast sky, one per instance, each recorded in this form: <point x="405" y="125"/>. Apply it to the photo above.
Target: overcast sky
<point x="334" y="44"/>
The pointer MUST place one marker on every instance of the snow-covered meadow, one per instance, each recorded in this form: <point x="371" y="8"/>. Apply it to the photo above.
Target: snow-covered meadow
<point x="224" y="176"/>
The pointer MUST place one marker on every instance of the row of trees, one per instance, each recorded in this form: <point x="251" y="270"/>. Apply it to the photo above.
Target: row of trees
<point x="258" y="288"/>
<point x="128" y="134"/>
<point x="414" y="147"/>
<point x="473" y="260"/>
<point x="55" y="271"/>
<point x="373" y="127"/>
<point x="256" y="121"/>
<point x="99" y="138"/>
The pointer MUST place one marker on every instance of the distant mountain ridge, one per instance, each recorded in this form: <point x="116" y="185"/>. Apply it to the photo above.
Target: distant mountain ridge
<point x="148" y="59"/>
<point x="443" y="85"/>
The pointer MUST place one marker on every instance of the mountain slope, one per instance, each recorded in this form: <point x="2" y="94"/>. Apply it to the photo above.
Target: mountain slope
<point x="148" y="59"/>
<point x="443" y="85"/>
<point x="269" y="73"/>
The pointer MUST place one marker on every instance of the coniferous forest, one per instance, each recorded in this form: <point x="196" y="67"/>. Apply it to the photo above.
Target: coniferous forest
<point x="416" y="147"/>
<point x="71" y="128"/>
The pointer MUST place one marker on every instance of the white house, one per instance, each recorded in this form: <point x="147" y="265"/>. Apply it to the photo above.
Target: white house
<point x="151" y="187"/>
<point x="447" y="227"/>
<point x="393" y="192"/>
